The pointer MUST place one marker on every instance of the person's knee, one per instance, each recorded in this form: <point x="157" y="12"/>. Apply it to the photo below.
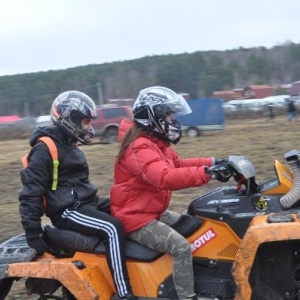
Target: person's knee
<point x="185" y="246"/>
<point x="117" y="224"/>
<point x="181" y="247"/>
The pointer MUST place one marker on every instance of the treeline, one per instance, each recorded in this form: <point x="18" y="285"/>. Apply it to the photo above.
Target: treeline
<point x="199" y="74"/>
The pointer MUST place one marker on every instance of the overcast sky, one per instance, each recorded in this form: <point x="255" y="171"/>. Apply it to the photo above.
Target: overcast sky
<point x="42" y="35"/>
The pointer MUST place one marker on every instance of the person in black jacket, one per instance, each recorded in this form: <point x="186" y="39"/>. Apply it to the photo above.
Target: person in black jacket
<point x="73" y="205"/>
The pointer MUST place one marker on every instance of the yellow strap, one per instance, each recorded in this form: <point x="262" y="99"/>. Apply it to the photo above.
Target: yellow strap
<point x="55" y="174"/>
<point x="53" y="151"/>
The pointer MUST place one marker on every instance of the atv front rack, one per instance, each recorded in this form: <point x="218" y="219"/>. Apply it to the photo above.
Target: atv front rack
<point x="15" y="250"/>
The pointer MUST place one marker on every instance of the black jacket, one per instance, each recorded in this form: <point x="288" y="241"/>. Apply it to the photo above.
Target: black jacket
<point x="73" y="179"/>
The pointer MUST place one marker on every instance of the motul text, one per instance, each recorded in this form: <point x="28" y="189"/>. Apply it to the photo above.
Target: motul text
<point x="203" y="239"/>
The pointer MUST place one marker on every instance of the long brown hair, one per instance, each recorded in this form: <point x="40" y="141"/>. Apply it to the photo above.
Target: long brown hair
<point x="134" y="132"/>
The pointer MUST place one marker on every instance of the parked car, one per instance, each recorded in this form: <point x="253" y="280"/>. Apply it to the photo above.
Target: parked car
<point x="107" y="124"/>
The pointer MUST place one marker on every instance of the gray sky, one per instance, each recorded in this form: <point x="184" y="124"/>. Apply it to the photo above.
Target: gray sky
<point x="42" y="35"/>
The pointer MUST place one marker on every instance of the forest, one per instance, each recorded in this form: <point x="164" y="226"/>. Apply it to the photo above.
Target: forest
<point x="199" y="74"/>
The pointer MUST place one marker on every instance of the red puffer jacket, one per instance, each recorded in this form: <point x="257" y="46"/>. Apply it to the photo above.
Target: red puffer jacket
<point x="146" y="176"/>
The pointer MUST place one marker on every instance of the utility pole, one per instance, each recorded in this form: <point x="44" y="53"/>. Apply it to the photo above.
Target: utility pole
<point x="100" y="93"/>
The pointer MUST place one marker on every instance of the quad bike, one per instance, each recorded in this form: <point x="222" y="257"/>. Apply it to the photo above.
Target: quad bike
<point x="245" y="240"/>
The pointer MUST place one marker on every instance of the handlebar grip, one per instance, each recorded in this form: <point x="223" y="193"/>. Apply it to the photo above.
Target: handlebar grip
<point x="213" y="175"/>
<point x="210" y="171"/>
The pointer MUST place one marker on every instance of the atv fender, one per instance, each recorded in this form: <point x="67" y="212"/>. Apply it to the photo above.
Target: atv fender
<point x="261" y="230"/>
<point x="82" y="276"/>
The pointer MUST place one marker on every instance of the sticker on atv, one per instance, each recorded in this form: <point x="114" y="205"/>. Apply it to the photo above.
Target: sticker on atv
<point x="203" y="239"/>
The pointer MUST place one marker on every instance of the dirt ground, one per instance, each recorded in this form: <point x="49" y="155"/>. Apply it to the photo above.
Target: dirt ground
<point x="260" y="140"/>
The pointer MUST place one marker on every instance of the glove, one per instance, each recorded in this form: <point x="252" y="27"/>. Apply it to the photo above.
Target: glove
<point x="221" y="161"/>
<point x="35" y="240"/>
<point x="219" y="172"/>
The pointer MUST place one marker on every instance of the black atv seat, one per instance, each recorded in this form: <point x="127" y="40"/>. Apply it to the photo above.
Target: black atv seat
<point x="70" y="241"/>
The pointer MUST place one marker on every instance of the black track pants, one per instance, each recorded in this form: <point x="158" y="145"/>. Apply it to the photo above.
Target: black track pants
<point x="87" y="219"/>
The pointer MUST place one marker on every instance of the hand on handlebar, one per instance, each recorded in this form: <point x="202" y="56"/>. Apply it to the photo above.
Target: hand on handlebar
<point x="219" y="172"/>
<point x="221" y="161"/>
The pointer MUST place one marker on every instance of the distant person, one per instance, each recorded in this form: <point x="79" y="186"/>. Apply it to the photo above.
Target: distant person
<point x="292" y="111"/>
<point x="271" y="109"/>
<point x="148" y="169"/>
<point x="74" y="204"/>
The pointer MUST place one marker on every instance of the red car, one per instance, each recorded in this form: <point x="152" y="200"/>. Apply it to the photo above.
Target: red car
<point x="107" y="123"/>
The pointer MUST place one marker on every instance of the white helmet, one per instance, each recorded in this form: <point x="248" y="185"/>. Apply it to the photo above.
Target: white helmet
<point x="67" y="111"/>
<point x="152" y="106"/>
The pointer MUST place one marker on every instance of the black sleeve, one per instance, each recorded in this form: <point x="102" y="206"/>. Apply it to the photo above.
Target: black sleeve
<point x="36" y="179"/>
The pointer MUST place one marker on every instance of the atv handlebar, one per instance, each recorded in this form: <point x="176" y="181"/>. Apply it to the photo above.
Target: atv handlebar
<point x="219" y="172"/>
<point x="243" y="172"/>
<point x="238" y="167"/>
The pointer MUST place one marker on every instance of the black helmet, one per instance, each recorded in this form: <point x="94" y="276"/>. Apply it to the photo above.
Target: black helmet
<point x="67" y="111"/>
<point x="152" y="106"/>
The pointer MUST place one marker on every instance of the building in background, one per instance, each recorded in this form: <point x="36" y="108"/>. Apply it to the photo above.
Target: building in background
<point x="257" y="91"/>
<point x="225" y="95"/>
<point x="295" y="88"/>
<point x="228" y="95"/>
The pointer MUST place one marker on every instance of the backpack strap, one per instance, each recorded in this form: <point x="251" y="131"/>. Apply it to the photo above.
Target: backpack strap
<point x="54" y="154"/>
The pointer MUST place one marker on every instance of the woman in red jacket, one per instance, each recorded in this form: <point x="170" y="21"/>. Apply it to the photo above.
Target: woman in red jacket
<point x="147" y="170"/>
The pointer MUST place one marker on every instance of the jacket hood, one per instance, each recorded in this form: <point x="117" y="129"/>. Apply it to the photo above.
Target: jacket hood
<point x="51" y="130"/>
<point x="124" y="126"/>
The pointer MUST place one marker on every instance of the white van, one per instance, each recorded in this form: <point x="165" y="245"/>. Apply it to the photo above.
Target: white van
<point x="278" y="100"/>
<point x="253" y="104"/>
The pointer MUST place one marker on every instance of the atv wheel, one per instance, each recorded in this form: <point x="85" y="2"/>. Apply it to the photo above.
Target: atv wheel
<point x="273" y="275"/>
<point x="5" y="285"/>
<point x="66" y="295"/>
